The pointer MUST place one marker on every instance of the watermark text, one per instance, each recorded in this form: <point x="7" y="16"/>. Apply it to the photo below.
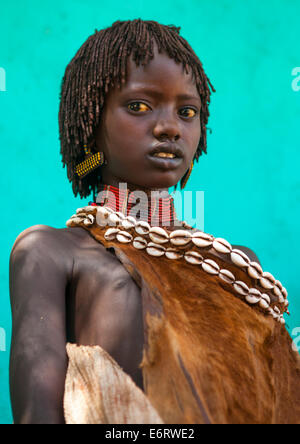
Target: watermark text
<point x="296" y="80"/>
<point x="2" y="340"/>
<point x="144" y="206"/>
<point x="296" y="339"/>
<point x="2" y="79"/>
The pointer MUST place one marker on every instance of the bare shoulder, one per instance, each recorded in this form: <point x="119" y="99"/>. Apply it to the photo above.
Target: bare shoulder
<point x="32" y="235"/>
<point x="250" y="253"/>
<point x="37" y="235"/>
<point x="49" y="244"/>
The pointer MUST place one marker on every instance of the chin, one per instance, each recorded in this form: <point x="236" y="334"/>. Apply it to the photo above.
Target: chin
<point x="162" y="184"/>
<point x="164" y="181"/>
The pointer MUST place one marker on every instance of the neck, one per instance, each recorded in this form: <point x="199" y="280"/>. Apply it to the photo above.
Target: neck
<point x="155" y="206"/>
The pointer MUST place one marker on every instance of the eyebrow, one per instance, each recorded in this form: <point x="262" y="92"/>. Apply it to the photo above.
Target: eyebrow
<point x="155" y="93"/>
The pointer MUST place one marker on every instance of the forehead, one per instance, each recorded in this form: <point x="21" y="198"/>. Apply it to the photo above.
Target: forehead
<point x="163" y="73"/>
<point x="161" y="77"/>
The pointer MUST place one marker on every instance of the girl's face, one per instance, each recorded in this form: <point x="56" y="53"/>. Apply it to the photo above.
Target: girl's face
<point x="156" y="110"/>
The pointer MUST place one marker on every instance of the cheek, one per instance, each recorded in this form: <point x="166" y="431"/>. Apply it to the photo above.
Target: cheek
<point x="125" y="129"/>
<point x="192" y="136"/>
<point x="125" y="140"/>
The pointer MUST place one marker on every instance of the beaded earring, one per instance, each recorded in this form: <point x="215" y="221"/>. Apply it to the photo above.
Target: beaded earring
<point x="91" y="162"/>
<point x="188" y="175"/>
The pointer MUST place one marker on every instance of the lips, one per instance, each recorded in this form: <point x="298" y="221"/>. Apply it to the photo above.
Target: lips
<point x="167" y="149"/>
<point x="170" y="159"/>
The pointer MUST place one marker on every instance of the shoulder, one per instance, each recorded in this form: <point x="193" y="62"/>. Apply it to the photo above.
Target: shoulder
<point x="49" y="244"/>
<point x="45" y="243"/>
<point x="42" y="257"/>
<point x="252" y="256"/>
<point x="34" y="237"/>
<point x="30" y="236"/>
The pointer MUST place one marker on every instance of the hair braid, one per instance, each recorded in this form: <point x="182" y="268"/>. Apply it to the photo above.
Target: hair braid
<point x="101" y="63"/>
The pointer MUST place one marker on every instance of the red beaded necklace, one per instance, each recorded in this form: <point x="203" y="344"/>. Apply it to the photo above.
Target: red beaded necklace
<point x="160" y="211"/>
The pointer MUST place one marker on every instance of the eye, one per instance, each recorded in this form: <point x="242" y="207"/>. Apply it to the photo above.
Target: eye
<point x="188" y="112"/>
<point x="139" y="107"/>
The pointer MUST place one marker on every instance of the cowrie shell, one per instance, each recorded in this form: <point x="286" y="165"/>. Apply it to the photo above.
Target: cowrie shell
<point x="76" y="220"/>
<point x="102" y="216"/>
<point x="70" y="223"/>
<point x="88" y="209"/>
<point x="142" y="227"/>
<point x="272" y="313"/>
<point x="114" y="219"/>
<point x="254" y="296"/>
<point x="276" y="309"/>
<point x="158" y="235"/>
<point x="279" y="284"/>
<point x="131" y="219"/>
<point x="128" y="222"/>
<point x="82" y="214"/>
<point x="286" y="303"/>
<point x="172" y="253"/>
<point x="193" y="257"/>
<point x="267" y="280"/>
<point x="155" y="249"/>
<point x="221" y="245"/>
<point x="119" y="214"/>
<point x="241" y="288"/>
<point x="266" y="297"/>
<point x="140" y="243"/>
<point x="276" y="290"/>
<point x="201" y="239"/>
<point x="111" y="233"/>
<point x="210" y="266"/>
<point x="254" y="270"/>
<point x="263" y="303"/>
<point x="79" y="210"/>
<point x="103" y="211"/>
<point x="284" y="292"/>
<point x="89" y="220"/>
<point x="227" y="276"/>
<point x="124" y="237"/>
<point x="180" y="237"/>
<point x="239" y="258"/>
<point x="282" y="320"/>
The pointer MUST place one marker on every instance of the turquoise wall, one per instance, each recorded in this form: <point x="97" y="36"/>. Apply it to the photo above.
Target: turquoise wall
<point x="250" y="176"/>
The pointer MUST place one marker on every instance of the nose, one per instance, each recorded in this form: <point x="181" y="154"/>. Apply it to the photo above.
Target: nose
<point x="166" y="127"/>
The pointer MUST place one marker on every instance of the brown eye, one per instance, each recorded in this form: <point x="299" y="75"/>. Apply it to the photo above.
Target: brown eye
<point x="188" y="112"/>
<point x="138" y="107"/>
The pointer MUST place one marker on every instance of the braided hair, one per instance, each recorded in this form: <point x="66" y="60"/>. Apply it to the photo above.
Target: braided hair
<point x="101" y="63"/>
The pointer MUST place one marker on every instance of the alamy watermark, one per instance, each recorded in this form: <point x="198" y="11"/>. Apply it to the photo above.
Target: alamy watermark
<point x="142" y="203"/>
<point x="2" y="79"/>
<point x="2" y="340"/>
<point x="296" y="80"/>
<point x="296" y="339"/>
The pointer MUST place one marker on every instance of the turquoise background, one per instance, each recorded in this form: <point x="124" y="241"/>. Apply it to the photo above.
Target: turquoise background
<point x="250" y="176"/>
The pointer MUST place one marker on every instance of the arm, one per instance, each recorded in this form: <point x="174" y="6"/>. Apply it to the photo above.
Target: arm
<point x="38" y="360"/>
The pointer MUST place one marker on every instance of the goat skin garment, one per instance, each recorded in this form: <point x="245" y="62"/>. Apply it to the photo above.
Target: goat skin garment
<point x="209" y="357"/>
<point x="98" y="391"/>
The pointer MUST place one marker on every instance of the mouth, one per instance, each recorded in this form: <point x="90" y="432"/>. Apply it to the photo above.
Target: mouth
<point x="166" y="150"/>
<point x="161" y="154"/>
<point x="165" y="156"/>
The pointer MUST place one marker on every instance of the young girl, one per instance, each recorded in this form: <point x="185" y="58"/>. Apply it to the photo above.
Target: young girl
<point x="129" y="315"/>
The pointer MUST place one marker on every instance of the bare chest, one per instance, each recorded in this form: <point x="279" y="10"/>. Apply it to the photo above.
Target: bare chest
<point x="104" y="308"/>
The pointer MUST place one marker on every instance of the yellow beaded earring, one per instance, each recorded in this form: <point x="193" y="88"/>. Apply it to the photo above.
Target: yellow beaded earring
<point x="91" y="162"/>
<point x="188" y="175"/>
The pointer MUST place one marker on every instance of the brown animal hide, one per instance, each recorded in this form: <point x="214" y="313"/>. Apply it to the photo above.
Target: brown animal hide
<point x="209" y="357"/>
